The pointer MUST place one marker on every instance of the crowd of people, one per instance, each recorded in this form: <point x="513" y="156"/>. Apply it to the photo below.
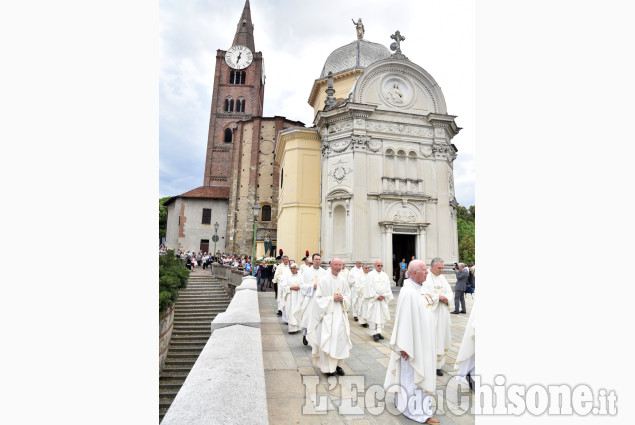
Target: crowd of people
<point x="319" y="302"/>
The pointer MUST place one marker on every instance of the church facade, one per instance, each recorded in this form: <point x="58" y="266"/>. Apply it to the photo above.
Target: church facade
<point x="386" y="169"/>
<point x="371" y="179"/>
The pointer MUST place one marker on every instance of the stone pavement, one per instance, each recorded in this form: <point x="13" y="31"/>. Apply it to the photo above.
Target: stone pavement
<point x="287" y="361"/>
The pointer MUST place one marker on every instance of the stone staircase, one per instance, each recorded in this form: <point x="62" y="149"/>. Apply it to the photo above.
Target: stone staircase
<point x="194" y="311"/>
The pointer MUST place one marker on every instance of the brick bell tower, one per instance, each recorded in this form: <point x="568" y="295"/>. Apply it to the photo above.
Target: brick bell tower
<point x="238" y="94"/>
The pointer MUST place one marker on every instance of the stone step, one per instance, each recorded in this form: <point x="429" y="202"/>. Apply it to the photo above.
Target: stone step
<point x="188" y="341"/>
<point x="167" y="395"/>
<point x="174" y="384"/>
<point x="185" y="355"/>
<point x="187" y="348"/>
<point x="210" y="309"/>
<point x="176" y="369"/>
<point x="202" y="300"/>
<point x="198" y="334"/>
<point x="201" y="318"/>
<point x="192" y="326"/>
<point x="198" y="311"/>
<point x="180" y="361"/>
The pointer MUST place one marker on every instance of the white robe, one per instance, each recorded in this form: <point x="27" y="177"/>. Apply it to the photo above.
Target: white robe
<point x="353" y="282"/>
<point x="282" y="269"/>
<point x="465" y="360"/>
<point x="362" y="301"/>
<point x="310" y="277"/>
<point x="328" y="328"/>
<point x="377" y="313"/>
<point x="303" y="267"/>
<point x="360" y="283"/>
<point x="292" y="300"/>
<point x="435" y="286"/>
<point x="414" y="333"/>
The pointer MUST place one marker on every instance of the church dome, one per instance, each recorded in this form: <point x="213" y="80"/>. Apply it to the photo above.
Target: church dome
<point x="358" y="54"/>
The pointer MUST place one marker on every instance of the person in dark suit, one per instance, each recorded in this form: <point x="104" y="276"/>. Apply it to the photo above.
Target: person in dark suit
<point x="462" y="273"/>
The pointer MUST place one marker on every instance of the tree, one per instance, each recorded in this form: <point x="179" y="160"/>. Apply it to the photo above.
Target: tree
<point x="466" y="233"/>
<point x="465" y="214"/>
<point x="163" y="217"/>
<point x="467" y="252"/>
<point x="465" y="228"/>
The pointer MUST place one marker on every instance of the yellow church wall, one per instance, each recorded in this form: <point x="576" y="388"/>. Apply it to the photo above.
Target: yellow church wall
<point x="298" y="152"/>
<point x="342" y="84"/>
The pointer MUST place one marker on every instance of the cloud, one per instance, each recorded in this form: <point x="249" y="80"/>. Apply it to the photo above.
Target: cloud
<point x="295" y="39"/>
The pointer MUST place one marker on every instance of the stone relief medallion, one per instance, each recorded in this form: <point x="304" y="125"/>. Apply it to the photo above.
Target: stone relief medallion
<point x="374" y="145"/>
<point x="404" y="215"/>
<point x="266" y="147"/>
<point x="425" y="150"/>
<point x="339" y="171"/>
<point x="397" y="91"/>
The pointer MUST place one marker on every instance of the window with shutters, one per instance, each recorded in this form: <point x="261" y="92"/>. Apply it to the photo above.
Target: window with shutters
<point x="207" y="216"/>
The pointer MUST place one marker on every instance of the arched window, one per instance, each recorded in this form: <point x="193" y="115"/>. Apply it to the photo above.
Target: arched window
<point x="266" y="213"/>
<point x="339" y="229"/>
<point x="229" y="105"/>
<point x="389" y="164"/>
<point x="413" y="169"/>
<point x="237" y="77"/>
<point x="400" y="165"/>
<point x="228" y="135"/>
<point x="240" y="105"/>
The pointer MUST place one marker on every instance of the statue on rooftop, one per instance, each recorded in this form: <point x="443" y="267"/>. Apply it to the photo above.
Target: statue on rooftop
<point x="360" y="28"/>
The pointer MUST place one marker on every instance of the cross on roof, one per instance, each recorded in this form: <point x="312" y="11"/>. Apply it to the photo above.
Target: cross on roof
<point x="398" y="39"/>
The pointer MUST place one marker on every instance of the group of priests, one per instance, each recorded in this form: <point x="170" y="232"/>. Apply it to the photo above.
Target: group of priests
<point x="318" y="302"/>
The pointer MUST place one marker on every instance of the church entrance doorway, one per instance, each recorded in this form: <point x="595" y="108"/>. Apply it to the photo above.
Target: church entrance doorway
<point x="403" y="246"/>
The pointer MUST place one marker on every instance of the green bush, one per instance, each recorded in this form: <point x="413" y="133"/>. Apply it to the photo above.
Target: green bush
<point x="172" y="276"/>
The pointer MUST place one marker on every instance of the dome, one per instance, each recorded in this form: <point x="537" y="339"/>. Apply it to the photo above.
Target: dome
<point x="358" y="54"/>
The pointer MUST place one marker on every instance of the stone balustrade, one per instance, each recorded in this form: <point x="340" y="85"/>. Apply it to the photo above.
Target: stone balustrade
<point x="230" y="278"/>
<point x="227" y="383"/>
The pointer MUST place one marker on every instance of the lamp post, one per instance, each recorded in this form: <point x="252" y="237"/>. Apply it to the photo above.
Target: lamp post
<point x="256" y="210"/>
<point x="215" y="238"/>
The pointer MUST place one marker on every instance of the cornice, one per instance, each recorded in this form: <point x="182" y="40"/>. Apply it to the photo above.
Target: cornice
<point x="321" y="82"/>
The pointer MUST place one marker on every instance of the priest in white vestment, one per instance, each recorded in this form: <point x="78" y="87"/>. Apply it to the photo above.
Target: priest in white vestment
<point x="310" y="277"/>
<point x="442" y="297"/>
<point x="465" y="361"/>
<point x="360" y="283"/>
<point x="412" y="364"/>
<point x="378" y="292"/>
<point x="344" y="272"/>
<point x="291" y="284"/>
<point x="280" y="271"/>
<point x="328" y="329"/>
<point x="305" y="263"/>
<point x="352" y="282"/>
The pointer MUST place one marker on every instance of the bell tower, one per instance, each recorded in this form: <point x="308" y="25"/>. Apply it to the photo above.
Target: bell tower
<point x="238" y="94"/>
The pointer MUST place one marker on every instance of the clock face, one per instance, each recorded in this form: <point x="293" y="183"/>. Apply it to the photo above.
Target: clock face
<point x="239" y="57"/>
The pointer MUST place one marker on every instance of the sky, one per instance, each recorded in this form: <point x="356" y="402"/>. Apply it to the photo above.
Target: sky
<point x="295" y="39"/>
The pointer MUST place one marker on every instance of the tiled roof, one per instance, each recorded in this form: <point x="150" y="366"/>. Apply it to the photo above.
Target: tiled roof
<point x="359" y="53"/>
<point x="203" y="192"/>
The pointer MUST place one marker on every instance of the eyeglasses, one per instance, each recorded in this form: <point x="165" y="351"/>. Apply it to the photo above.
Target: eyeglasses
<point x="380" y="265"/>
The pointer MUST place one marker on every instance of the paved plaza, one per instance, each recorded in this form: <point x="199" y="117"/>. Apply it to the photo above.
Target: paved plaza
<point x="287" y="361"/>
